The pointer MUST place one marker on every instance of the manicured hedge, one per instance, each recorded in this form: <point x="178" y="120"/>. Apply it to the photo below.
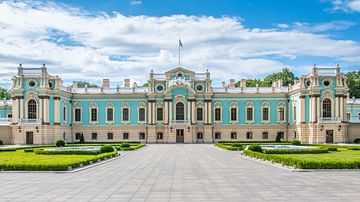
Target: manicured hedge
<point x="8" y="149"/>
<point x="54" y="167"/>
<point x="229" y="147"/>
<point x="306" y="164"/>
<point x="60" y="143"/>
<point x="106" y="148"/>
<point x="253" y="142"/>
<point x="74" y="152"/>
<point x="296" y="151"/>
<point x="130" y="148"/>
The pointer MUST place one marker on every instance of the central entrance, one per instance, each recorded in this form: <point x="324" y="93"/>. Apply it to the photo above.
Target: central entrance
<point x="179" y="135"/>
<point x="29" y="138"/>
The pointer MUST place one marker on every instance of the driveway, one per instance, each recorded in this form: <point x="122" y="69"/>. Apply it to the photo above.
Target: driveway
<point x="181" y="172"/>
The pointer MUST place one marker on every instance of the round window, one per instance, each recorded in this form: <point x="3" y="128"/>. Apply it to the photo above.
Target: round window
<point x="199" y="88"/>
<point x="308" y="83"/>
<point x="32" y="83"/>
<point x="326" y="83"/>
<point x="50" y="85"/>
<point x="179" y="75"/>
<point x="159" y="88"/>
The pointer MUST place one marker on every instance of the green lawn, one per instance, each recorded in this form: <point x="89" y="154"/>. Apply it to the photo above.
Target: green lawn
<point x="340" y="155"/>
<point x="20" y="160"/>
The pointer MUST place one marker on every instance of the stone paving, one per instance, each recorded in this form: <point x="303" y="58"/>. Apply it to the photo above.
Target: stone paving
<point x="181" y="172"/>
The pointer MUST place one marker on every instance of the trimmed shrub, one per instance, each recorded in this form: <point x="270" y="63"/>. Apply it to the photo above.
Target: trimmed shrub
<point x="332" y="149"/>
<point x="125" y="145"/>
<point x="106" y="149"/>
<point x="82" y="139"/>
<point x="296" y="151"/>
<point x="60" y="143"/>
<point x="7" y="149"/>
<point x="68" y="152"/>
<point x="357" y="141"/>
<point x="278" y="138"/>
<point x="228" y="147"/>
<point x="255" y="148"/>
<point x="295" y="142"/>
<point x="28" y="150"/>
<point x="353" y="148"/>
<point x="237" y="145"/>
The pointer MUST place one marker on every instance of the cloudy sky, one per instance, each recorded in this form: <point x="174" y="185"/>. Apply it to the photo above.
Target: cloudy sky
<point x="117" y="39"/>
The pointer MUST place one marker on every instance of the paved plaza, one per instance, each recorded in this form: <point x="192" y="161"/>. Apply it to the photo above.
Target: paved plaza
<point x="181" y="172"/>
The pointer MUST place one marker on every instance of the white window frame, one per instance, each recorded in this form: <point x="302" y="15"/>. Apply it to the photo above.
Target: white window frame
<point x="94" y="105"/>
<point x="265" y="105"/>
<point x="234" y="105"/>
<point x="109" y="105"/>
<point x="249" y="105"/>
<point x="125" y="106"/>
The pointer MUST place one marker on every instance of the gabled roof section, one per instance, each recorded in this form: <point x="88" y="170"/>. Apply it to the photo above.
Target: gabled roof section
<point x="179" y="69"/>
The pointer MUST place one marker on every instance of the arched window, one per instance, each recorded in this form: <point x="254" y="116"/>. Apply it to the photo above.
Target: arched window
<point x="180" y="111"/>
<point x="327" y="108"/>
<point x="31" y="109"/>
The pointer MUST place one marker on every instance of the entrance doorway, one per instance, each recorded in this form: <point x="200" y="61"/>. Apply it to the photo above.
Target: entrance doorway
<point x="329" y="136"/>
<point x="179" y="135"/>
<point x="29" y="138"/>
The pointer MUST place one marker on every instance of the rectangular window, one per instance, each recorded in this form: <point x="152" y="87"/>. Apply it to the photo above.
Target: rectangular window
<point x="199" y="135"/>
<point x="94" y="136"/>
<point x="141" y="114"/>
<point x="199" y="114"/>
<point x="159" y="114"/>
<point x="217" y="135"/>
<point x="265" y="113"/>
<point x="249" y="114"/>
<point x="110" y="136"/>
<point x="125" y="114"/>
<point x="93" y="114"/>
<point x="126" y="136"/>
<point x="159" y="136"/>
<point x="110" y="114"/>
<point x="64" y="113"/>
<point x="359" y="116"/>
<point x="233" y="135"/>
<point x="77" y="115"/>
<point x="77" y="136"/>
<point x="348" y="116"/>
<point x="233" y="114"/>
<point x="281" y="134"/>
<point x="294" y="113"/>
<point x="64" y="136"/>
<point x="249" y="135"/>
<point x="141" y="136"/>
<point x="281" y="114"/>
<point x="265" y="135"/>
<point x="217" y="114"/>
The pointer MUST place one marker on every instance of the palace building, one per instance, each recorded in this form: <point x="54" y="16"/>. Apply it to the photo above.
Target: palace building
<point x="179" y="106"/>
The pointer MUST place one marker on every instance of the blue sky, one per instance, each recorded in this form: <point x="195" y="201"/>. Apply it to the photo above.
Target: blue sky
<point x="117" y="39"/>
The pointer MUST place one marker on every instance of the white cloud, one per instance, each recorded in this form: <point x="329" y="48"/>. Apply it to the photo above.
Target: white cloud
<point x="78" y="45"/>
<point x="135" y="2"/>
<point x="346" y="5"/>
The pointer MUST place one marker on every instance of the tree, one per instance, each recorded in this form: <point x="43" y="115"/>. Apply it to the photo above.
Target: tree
<point x="4" y="94"/>
<point x="81" y="84"/>
<point x="354" y="83"/>
<point x="145" y="85"/>
<point x="285" y="75"/>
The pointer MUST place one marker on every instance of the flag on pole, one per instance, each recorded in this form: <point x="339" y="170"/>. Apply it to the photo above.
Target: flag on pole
<point x="180" y="44"/>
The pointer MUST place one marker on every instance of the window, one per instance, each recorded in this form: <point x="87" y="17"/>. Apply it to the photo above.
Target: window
<point x="217" y="135"/>
<point x="141" y="136"/>
<point x="180" y="115"/>
<point x="265" y="135"/>
<point x="348" y="116"/>
<point x="93" y="115"/>
<point x="64" y="112"/>
<point x="77" y="115"/>
<point x="141" y="114"/>
<point x="199" y="135"/>
<point x="281" y="114"/>
<point x="77" y="136"/>
<point x="233" y="114"/>
<point x="31" y="109"/>
<point x="110" y="114"/>
<point x="159" y="114"/>
<point x="94" y="136"/>
<point x="126" y="136"/>
<point x="294" y="134"/>
<point x="359" y="116"/>
<point x="249" y="135"/>
<point x="327" y="108"/>
<point x="110" y="136"/>
<point x="199" y="114"/>
<point x="64" y="136"/>
<point x="159" y="136"/>
<point x="217" y="114"/>
<point x="294" y="113"/>
<point x="249" y="114"/>
<point x="265" y="114"/>
<point x="281" y="134"/>
<point x="233" y="135"/>
<point x="9" y="116"/>
<point x="126" y="114"/>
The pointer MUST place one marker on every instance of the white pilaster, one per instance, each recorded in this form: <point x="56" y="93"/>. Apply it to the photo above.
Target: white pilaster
<point x="210" y="112"/>
<point x="166" y="109"/>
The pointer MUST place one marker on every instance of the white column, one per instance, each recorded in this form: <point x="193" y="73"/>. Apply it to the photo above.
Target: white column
<point x="166" y="120"/>
<point x="311" y="107"/>
<point x="46" y="110"/>
<point x="302" y="110"/>
<point x="149" y="113"/>
<point x="188" y="111"/>
<point x="341" y="108"/>
<point x="337" y="107"/>
<point x="40" y="108"/>
<point x="153" y="112"/>
<point x="193" y="111"/>
<point x="56" y="110"/>
<point x="21" y="108"/>
<point x="206" y="112"/>
<point x="170" y="111"/>
<point x="15" y="111"/>
<point x="318" y="107"/>
<point x="210" y="113"/>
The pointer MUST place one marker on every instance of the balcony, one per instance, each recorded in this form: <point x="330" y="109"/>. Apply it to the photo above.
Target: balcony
<point x="5" y="121"/>
<point x="180" y="122"/>
<point x="329" y="120"/>
<point x="30" y="121"/>
<point x="354" y="119"/>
